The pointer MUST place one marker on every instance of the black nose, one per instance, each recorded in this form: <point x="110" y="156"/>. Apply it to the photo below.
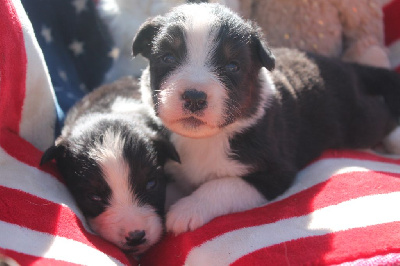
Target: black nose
<point x="194" y="100"/>
<point x="135" y="238"/>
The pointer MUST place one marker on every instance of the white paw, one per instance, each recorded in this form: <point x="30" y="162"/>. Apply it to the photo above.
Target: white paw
<point x="392" y="141"/>
<point x="188" y="214"/>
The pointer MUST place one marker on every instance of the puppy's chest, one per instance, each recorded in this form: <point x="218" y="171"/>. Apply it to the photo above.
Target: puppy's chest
<point x="203" y="160"/>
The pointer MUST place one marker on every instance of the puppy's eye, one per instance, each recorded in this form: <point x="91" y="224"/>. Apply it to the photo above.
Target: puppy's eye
<point x="169" y="59"/>
<point x="95" y="198"/>
<point x="232" y="67"/>
<point x="152" y="184"/>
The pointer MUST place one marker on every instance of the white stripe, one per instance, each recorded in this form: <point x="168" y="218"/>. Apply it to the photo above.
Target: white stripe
<point x="38" y="113"/>
<point x="17" y="175"/>
<point x="324" y="169"/>
<point x="356" y="213"/>
<point x="388" y="259"/>
<point x="394" y="54"/>
<point x="44" y="245"/>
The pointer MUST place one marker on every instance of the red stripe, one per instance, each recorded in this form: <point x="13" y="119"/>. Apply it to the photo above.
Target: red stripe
<point x="24" y="259"/>
<point x="32" y="211"/>
<point x="392" y="21"/>
<point x="356" y="155"/>
<point x="332" y="248"/>
<point x="60" y="220"/>
<point x="13" y="63"/>
<point x="339" y="188"/>
<point x="26" y="153"/>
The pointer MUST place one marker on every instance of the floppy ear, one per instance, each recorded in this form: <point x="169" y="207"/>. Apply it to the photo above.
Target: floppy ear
<point x="142" y="42"/>
<point x="54" y="152"/>
<point x="165" y="150"/>
<point x="263" y="52"/>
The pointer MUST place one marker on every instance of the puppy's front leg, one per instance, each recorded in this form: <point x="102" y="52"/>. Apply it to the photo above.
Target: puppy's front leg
<point x="212" y="199"/>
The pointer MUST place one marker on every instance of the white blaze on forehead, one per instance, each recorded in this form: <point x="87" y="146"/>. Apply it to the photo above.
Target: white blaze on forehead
<point x="199" y="33"/>
<point x="110" y="157"/>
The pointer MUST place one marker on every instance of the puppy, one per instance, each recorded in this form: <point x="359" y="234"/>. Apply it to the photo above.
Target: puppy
<point x="111" y="156"/>
<point x="245" y="119"/>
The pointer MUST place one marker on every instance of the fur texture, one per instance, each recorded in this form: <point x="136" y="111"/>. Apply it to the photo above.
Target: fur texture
<point x="111" y="156"/>
<point x="246" y="119"/>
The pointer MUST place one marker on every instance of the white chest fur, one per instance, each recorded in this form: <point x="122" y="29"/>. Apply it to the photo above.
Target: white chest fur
<point x="203" y="160"/>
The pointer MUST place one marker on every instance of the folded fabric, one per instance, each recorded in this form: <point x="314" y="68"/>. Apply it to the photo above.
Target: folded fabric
<point x="342" y="208"/>
<point x="40" y="223"/>
<point x="76" y="46"/>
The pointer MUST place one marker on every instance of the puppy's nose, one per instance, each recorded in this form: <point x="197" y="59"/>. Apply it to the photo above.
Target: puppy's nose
<point x="135" y="238"/>
<point x="194" y="100"/>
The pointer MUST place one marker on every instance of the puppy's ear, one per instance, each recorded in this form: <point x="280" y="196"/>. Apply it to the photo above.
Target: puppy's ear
<point x="54" y="152"/>
<point x="165" y="150"/>
<point x="263" y="52"/>
<point x="142" y="42"/>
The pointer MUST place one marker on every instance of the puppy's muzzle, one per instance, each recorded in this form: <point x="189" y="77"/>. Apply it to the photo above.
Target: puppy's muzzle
<point x="194" y="100"/>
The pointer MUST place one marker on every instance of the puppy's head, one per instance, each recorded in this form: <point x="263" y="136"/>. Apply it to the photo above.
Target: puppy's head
<point x="205" y="71"/>
<point x="115" y="173"/>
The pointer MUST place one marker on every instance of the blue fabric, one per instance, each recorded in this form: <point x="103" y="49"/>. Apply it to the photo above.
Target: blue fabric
<point x="76" y="47"/>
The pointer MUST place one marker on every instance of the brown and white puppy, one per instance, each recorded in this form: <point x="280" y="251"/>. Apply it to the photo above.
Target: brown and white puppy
<point x="111" y="154"/>
<point x="244" y="118"/>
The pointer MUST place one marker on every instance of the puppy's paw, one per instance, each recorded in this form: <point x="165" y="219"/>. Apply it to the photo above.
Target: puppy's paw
<point x="188" y="214"/>
<point x="392" y="141"/>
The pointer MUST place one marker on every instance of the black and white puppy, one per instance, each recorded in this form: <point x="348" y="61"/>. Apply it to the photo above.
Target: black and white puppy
<point x="245" y="118"/>
<point x="111" y="155"/>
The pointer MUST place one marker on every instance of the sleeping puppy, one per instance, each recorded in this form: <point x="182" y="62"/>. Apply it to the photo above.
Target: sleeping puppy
<point x="245" y="119"/>
<point x="111" y="156"/>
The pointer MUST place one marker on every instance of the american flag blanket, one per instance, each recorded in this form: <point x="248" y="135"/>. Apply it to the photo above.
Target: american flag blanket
<point x="39" y="221"/>
<point x="76" y="45"/>
<point x="342" y="208"/>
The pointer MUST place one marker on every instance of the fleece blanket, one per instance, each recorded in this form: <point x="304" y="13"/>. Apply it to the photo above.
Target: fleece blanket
<point x="342" y="209"/>
<point x="339" y="210"/>
<point x="39" y="221"/>
<point x="76" y="46"/>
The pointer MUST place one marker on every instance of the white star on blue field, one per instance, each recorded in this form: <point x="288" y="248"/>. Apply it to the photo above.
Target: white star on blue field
<point x="76" y="45"/>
